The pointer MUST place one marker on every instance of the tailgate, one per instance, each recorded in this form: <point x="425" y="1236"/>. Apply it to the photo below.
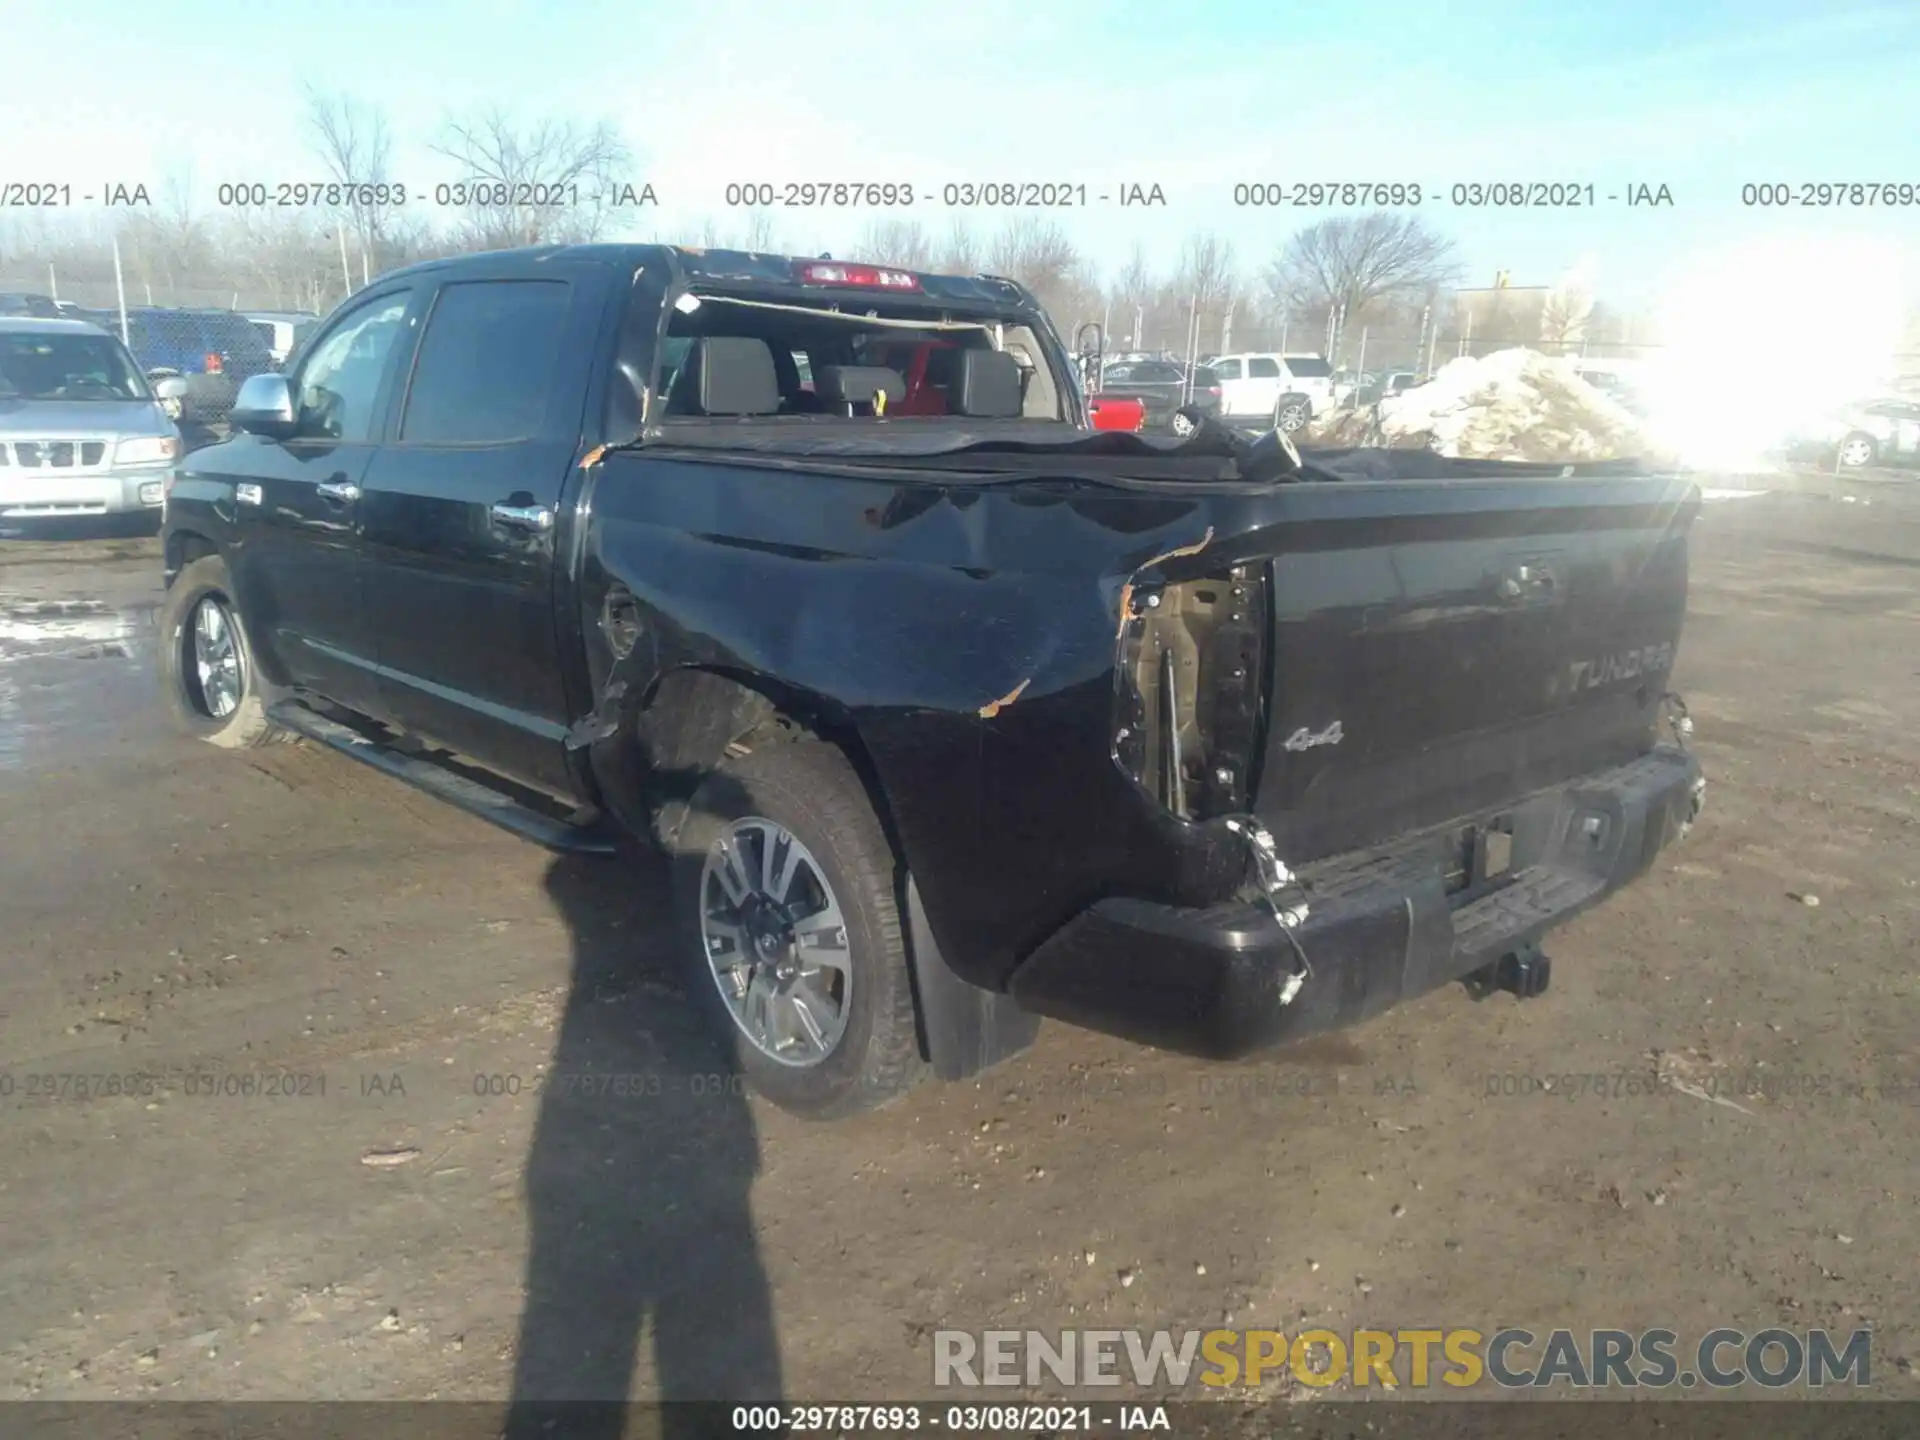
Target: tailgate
<point x="1462" y="644"/>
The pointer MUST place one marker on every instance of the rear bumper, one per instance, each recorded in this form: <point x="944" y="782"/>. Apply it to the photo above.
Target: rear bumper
<point x="1381" y="927"/>
<point x="49" y="494"/>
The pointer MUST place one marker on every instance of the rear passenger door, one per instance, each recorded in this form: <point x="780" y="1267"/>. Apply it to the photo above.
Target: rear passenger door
<point x="1233" y="385"/>
<point x="1263" y="386"/>
<point x="462" y="510"/>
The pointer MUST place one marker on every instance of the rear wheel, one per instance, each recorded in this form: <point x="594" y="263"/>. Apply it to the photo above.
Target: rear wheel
<point x="1291" y="414"/>
<point x="1184" y="424"/>
<point x="206" y="665"/>
<point x="784" y="889"/>
<point x="1858" y="450"/>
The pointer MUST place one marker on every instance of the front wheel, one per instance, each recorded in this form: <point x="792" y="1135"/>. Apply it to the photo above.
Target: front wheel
<point x="207" y="674"/>
<point x="785" y="893"/>
<point x="1858" y="450"/>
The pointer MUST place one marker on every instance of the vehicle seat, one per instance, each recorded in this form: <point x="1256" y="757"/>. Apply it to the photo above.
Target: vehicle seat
<point x="726" y="375"/>
<point x="986" y="384"/>
<point x="848" y="388"/>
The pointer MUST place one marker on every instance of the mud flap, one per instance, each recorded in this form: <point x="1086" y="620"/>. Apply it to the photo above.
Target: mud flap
<point x="963" y="1029"/>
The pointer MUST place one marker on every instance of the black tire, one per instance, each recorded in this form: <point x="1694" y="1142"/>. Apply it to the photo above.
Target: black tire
<point x="1857" y="451"/>
<point x="246" y="725"/>
<point x="809" y="789"/>
<point x="1292" y="413"/>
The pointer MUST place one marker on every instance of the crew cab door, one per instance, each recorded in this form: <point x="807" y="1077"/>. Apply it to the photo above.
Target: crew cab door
<point x="296" y="557"/>
<point x="462" y="514"/>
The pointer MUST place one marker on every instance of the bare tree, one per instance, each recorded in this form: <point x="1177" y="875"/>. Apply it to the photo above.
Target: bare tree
<point x="1209" y="281"/>
<point x="895" y="242"/>
<point x="1034" y="251"/>
<point x="759" y="236"/>
<point x="1568" y="311"/>
<point x="353" y="142"/>
<point x="544" y="182"/>
<point x="1350" y="263"/>
<point x="1038" y="253"/>
<point x="171" y="241"/>
<point x="1134" y="293"/>
<point x="959" y="252"/>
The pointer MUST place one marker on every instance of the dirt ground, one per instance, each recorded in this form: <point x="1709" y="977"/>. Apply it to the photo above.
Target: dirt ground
<point x="346" y="1182"/>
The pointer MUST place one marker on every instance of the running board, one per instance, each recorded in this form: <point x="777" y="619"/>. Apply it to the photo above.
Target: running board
<point x="470" y="795"/>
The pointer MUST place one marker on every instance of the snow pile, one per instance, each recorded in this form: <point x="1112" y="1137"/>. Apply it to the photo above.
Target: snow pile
<point x="1510" y="405"/>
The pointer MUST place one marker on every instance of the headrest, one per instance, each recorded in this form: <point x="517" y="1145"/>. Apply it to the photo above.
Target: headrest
<point x="985" y="383"/>
<point x="735" y="376"/>
<point x="858" y="384"/>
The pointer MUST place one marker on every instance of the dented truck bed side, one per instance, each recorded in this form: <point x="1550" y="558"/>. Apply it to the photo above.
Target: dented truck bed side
<point x="970" y="635"/>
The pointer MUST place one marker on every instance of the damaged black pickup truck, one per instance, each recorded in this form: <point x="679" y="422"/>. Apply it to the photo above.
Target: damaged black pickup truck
<point x="952" y="712"/>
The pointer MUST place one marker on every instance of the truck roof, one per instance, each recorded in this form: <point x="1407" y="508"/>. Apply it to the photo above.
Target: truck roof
<point x="720" y="267"/>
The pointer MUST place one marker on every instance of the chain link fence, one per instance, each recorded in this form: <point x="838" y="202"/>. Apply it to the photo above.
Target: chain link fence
<point x="209" y="340"/>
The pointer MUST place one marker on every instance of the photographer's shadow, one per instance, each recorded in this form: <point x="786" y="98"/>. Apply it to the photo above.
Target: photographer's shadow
<point x="638" y="1184"/>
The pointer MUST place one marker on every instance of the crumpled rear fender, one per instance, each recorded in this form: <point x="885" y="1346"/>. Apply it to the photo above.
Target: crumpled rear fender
<point x="964" y="636"/>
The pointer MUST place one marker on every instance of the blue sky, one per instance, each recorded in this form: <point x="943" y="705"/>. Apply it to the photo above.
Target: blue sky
<point x="1699" y="97"/>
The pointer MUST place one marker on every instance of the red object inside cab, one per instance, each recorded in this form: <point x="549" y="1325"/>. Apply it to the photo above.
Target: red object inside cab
<point x="1117" y="412"/>
<point x="926" y="366"/>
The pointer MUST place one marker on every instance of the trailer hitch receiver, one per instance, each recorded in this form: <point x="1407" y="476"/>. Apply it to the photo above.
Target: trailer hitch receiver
<point x="1525" y="972"/>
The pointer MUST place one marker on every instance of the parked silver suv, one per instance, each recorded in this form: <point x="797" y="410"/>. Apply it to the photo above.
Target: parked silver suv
<point x="81" y="431"/>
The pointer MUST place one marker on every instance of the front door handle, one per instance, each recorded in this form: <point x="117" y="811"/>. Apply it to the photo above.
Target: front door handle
<point x="523" y="517"/>
<point x="346" y="492"/>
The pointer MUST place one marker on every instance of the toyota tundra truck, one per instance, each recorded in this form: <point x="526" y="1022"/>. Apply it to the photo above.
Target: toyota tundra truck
<point x="948" y="717"/>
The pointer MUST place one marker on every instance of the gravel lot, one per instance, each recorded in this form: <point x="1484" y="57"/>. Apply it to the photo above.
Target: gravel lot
<point x="349" y="1183"/>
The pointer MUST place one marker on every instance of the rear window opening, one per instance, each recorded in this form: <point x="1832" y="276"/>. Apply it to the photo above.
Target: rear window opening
<point x="819" y="359"/>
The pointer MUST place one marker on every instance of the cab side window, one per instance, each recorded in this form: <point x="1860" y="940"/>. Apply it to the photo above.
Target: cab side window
<point x="339" y="382"/>
<point x="486" y="369"/>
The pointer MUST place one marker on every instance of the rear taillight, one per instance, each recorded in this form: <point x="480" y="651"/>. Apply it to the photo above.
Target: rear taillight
<point x="1214" y="391"/>
<point x="1190" y="684"/>
<point x="214" y="364"/>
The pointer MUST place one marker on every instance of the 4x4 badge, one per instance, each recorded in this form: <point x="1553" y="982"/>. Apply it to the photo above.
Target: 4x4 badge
<point x="1305" y="739"/>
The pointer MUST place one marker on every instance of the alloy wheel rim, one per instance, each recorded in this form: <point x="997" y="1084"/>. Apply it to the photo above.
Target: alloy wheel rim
<point x="776" y="942"/>
<point x="216" y="659"/>
<point x="1854" y="452"/>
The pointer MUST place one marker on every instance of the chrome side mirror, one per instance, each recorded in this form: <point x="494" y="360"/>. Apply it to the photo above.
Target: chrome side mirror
<point x="171" y="391"/>
<point x="265" y="406"/>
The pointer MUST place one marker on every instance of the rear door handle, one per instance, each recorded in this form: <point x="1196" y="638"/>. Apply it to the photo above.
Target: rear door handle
<point x="1531" y="579"/>
<point x="523" y="517"/>
<point x="346" y="492"/>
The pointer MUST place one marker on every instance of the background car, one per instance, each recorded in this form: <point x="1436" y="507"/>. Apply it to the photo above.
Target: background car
<point x="215" y="351"/>
<point x="1286" y="390"/>
<point x="1164" y="389"/>
<point x="81" y="430"/>
<point x="1879" y="432"/>
<point x="283" y="330"/>
<point x="1384" y="385"/>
